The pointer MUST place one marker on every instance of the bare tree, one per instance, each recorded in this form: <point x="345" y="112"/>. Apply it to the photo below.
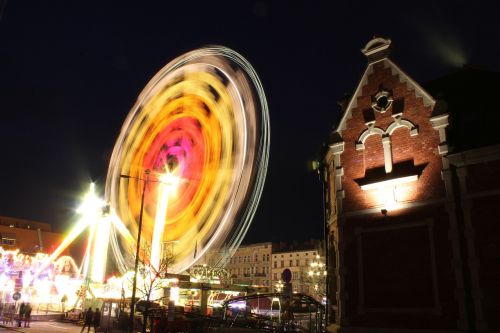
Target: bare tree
<point x="149" y="280"/>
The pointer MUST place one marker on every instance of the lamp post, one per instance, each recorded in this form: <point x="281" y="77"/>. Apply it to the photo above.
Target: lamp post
<point x="171" y="182"/>
<point x="138" y="247"/>
<point x="322" y="169"/>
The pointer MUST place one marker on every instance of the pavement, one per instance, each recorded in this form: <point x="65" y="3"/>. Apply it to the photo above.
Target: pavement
<point x="44" y="327"/>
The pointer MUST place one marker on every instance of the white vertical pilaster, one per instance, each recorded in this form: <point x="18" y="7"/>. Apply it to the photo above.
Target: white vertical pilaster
<point x="386" y="143"/>
<point x="472" y="260"/>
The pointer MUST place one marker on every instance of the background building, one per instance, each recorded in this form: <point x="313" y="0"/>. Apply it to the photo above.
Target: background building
<point x="300" y="263"/>
<point x="251" y="264"/>
<point x="413" y="172"/>
<point x="28" y="236"/>
<point x="261" y="264"/>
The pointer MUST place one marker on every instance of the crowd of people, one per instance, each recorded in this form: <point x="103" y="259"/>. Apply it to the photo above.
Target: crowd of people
<point x="9" y="314"/>
<point x="20" y="315"/>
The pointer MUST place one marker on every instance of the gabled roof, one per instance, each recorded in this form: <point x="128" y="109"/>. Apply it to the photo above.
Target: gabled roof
<point x="396" y="70"/>
<point x="377" y="50"/>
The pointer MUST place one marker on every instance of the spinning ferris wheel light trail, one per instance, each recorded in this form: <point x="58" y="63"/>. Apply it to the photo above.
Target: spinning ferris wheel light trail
<point x="205" y="110"/>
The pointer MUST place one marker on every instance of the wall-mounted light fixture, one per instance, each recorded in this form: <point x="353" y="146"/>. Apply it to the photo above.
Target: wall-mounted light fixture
<point x="385" y="191"/>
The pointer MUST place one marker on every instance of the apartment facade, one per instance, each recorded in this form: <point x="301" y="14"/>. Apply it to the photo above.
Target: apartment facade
<point x="251" y="265"/>
<point x="300" y="263"/>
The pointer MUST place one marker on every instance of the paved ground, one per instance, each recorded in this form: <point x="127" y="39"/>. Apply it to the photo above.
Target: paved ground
<point x="45" y="327"/>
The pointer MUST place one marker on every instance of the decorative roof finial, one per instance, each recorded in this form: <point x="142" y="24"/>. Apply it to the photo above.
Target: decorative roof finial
<point x="376" y="49"/>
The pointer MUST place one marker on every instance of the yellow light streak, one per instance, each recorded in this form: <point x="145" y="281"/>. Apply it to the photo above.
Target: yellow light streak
<point x="100" y="250"/>
<point x="167" y="186"/>
<point x="75" y="232"/>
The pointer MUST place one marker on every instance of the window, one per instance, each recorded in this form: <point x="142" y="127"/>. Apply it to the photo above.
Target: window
<point x="263" y="257"/>
<point x="267" y="257"/>
<point x="295" y="275"/>
<point x="282" y="263"/>
<point x="290" y="254"/>
<point x="291" y="262"/>
<point x="297" y="262"/>
<point x="8" y="241"/>
<point x="263" y="270"/>
<point x="307" y="262"/>
<point x="307" y="254"/>
<point x="256" y="259"/>
<point x="275" y="264"/>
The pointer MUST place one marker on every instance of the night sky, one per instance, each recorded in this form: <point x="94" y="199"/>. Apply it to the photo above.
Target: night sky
<point x="70" y="72"/>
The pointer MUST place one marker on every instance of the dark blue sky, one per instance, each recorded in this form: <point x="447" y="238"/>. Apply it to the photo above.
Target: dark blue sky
<point x="69" y="73"/>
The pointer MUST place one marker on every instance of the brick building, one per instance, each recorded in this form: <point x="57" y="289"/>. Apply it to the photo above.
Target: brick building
<point x="28" y="236"/>
<point x="410" y="198"/>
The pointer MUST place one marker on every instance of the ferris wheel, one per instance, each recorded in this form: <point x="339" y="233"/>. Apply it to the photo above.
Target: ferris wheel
<point x="191" y="159"/>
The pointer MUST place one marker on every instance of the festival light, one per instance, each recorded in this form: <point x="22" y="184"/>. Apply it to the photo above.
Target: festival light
<point x="60" y="277"/>
<point x="99" y="227"/>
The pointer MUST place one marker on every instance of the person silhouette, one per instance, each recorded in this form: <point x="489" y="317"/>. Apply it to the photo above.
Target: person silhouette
<point x="87" y="320"/>
<point x="97" y="319"/>
<point x="22" y="309"/>
<point x="27" y="315"/>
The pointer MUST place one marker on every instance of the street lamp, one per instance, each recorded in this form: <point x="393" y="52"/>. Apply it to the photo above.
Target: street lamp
<point x="138" y="247"/>
<point x="322" y="169"/>
<point x="169" y="183"/>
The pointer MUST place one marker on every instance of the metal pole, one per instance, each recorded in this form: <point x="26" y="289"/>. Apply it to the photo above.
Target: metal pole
<point x="136" y="266"/>
<point x="321" y="173"/>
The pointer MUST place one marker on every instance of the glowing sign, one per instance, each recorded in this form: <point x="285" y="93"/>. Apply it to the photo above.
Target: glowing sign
<point x="203" y="272"/>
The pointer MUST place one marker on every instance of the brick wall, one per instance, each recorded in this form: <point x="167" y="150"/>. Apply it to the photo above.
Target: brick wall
<point x="483" y="196"/>
<point x="421" y="149"/>
<point x="393" y="279"/>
